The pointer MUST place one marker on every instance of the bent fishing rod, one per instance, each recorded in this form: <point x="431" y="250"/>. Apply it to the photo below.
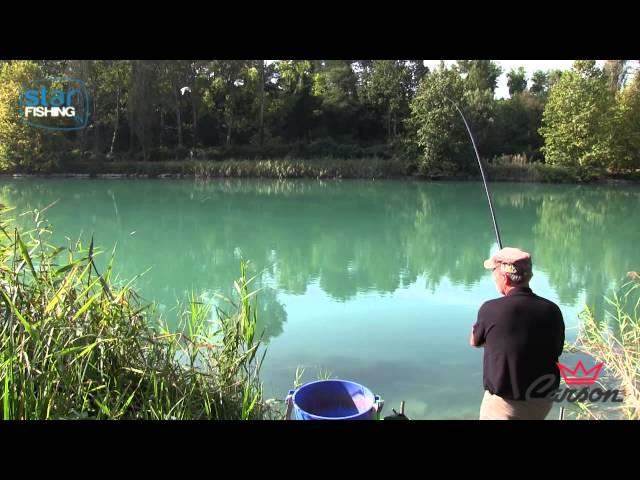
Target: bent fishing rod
<point x="484" y="180"/>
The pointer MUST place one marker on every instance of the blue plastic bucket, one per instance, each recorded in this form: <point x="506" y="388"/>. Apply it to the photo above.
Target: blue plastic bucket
<point x="333" y="400"/>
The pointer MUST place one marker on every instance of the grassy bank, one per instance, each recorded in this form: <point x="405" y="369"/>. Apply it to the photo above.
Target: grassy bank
<point x="615" y="341"/>
<point x="318" y="168"/>
<point x="212" y="163"/>
<point x="74" y="345"/>
<point x="327" y="169"/>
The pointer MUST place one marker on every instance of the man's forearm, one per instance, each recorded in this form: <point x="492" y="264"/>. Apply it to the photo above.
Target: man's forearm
<point x="472" y="340"/>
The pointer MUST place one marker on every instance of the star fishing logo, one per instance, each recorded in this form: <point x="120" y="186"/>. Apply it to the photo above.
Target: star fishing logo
<point x="575" y="376"/>
<point x="56" y="103"/>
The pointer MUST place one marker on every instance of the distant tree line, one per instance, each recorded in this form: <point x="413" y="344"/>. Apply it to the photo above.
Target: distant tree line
<point x="151" y="110"/>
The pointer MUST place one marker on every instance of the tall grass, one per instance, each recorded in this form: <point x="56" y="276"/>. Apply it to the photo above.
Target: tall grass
<point x="615" y="340"/>
<point x="520" y="170"/>
<point x="73" y="345"/>
<point x="299" y="168"/>
<point x="326" y="167"/>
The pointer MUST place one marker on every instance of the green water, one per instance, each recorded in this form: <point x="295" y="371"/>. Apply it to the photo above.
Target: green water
<point x="376" y="282"/>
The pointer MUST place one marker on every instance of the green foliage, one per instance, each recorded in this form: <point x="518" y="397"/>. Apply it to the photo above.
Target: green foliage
<point x="539" y="82"/>
<point x="74" y="345"/>
<point x="517" y="168"/>
<point x="480" y="74"/>
<point x="580" y="120"/>
<point x="335" y="82"/>
<point x="439" y="129"/>
<point x="387" y="85"/>
<point x="630" y="125"/>
<point x="615" y="341"/>
<point x="481" y="116"/>
<point x="517" y="120"/>
<point x="517" y="81"/>
<point x="616" y="72"/>
<point x="153" y="110"/>
<point x="293" y="168"/>
<point x="20" y="144"/>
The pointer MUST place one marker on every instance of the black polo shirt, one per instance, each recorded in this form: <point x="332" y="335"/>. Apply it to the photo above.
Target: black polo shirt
<point x="523" y="337"/>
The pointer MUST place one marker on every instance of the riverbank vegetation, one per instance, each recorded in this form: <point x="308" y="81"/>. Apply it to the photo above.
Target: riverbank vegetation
<point x="614" y="340"/>
<point x="76" y="345"/>
<point x="366" y="118"/>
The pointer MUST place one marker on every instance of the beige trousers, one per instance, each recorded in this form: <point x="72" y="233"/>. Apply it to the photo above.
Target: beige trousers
<point x="497" y="408"/>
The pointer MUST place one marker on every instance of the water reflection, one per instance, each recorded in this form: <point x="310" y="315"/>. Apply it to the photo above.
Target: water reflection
<point x="349" y="237"/>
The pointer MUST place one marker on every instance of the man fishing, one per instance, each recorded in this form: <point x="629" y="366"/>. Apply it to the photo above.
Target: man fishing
<point x="523" y="336"/>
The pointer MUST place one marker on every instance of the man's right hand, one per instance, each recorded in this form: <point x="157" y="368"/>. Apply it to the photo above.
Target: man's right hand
<point x="472" y="340"/>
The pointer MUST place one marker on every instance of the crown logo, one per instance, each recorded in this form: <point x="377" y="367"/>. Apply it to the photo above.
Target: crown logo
<point x="580" y="375"/>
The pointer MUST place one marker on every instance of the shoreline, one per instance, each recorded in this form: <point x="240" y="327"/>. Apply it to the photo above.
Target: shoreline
<point x="419" y="178"/>
<point x="323" y="169"/>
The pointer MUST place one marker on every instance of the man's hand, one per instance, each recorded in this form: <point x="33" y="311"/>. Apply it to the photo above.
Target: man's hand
<point x="472" y="340"/>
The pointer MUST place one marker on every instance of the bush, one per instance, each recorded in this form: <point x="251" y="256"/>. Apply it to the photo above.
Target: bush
<point x="553" y="173"/>
<point x="615" y="341"/>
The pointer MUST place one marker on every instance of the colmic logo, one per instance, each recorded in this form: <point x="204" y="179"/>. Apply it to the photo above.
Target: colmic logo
<point x="58" y="103"/>
<point x="579" y="376"/>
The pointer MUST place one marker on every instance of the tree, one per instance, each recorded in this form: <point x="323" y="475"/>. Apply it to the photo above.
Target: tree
<point x="479" y="91"/>
<point x="335" y="82"/>
<point x="20" y="144"/>
<point x="616" y="72"/>
<point x="480" y="115"/>
<point x="630" y="124"/>
<point x="53" y="68"/>
<point x="578" y="120"/>
<point x="228" y="76"/>
<point x="111" y="93"/>
<point x="542" y="82"/>
<point x="517" y="81"/>
<point x="261" y="88"/>
<point x="387" y="86"/>
<point x="439" y="129"/>
<point x="516" y="127"/>
<point x="553" y="77"/>
<point x="141" y="104"/>
<point x="267" y="99"/>
<point x="480" y="74"/>
<point x="295" y="109"/>
<point x="85" y="70"/>
<point x="335" y="88"/>
<point x="174" y="78"/>
<point x="198" y="79"/>
<point x="417" y="72"/>
<point x="539" y="82"/>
